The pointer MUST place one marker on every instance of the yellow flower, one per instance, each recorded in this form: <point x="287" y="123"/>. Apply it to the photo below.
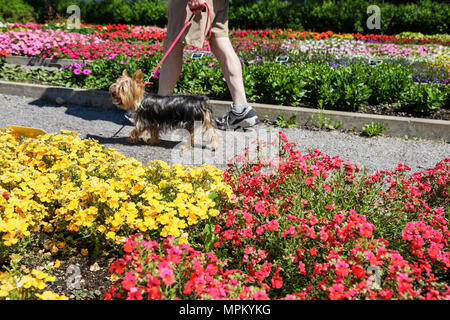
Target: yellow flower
<point x="84" y="252"/>
<point x="49" y="295"/>
<point x="15" y="257"/>
<point x="59" y="183"/>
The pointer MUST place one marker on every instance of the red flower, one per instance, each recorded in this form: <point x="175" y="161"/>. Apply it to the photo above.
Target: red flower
<point x="358" y="271"/>
<point x="277" y="281"/>
<point x="5" y="195"/>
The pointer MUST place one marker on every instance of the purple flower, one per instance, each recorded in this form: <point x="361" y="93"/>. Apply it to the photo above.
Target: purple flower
<point x="77" y="72"/>
<point x="86" y="72"/>
<point x="111" y="56"/>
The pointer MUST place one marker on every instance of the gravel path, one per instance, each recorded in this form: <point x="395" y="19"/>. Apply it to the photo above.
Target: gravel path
<point x="108" y="128"/>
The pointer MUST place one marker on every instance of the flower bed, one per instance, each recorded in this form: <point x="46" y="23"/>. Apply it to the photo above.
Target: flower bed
<point x="94" y="197"/>
<point x="306" y="227"/>
<point x="335" y="71"/>
<point x="309" y="230"/>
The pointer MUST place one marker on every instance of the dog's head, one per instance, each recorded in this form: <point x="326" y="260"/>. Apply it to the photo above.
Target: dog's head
<point x="127" y="92"/>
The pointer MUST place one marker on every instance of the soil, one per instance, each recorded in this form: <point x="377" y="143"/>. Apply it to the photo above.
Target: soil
<point x="442" y="114"/>
<point x="78" y="277"/>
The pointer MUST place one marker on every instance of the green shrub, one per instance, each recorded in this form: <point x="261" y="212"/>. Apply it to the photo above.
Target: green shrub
<point x="203" y="76"/>
<point x="425" y="98"/>
<point x="388" y="81"/>
<point x="275" y="83"/>
<point x="16" y="11"/>
<point x="150" y="12"/>
<point x="269" y="14"/>
<point x="341" y="16"/>
<point x="425" y="16"/>
<point x="346" y="88"/>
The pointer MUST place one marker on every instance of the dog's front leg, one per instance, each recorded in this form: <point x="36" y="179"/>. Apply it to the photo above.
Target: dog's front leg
<point x="134" y="136"/>
<point x="154" y="139"/>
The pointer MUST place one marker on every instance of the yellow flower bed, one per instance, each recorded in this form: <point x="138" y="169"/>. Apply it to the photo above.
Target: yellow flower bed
<point x="15" y="286"/>
<point x="61" y="184"/>
<point x="440" y="63"/>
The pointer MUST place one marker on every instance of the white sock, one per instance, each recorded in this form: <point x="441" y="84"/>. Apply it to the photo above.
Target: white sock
<point x="238" y="109"/>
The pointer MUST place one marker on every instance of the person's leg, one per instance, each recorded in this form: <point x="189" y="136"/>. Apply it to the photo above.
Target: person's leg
<point x="170" y="69"/>
<point x="231" y="68"/>
<point x="241" y="114"/>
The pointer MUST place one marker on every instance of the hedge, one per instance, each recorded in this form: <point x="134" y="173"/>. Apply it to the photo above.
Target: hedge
<point x="426" y="16"/>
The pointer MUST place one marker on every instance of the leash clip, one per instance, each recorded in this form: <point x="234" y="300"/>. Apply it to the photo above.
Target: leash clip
<point x="148" y="79"/>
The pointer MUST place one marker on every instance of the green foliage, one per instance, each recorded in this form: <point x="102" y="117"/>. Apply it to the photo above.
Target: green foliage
<point x="139" y="12"/>
<point x="105" y="71"/>
<point x="31" y="75"/>
<point x="203" y="76"/>
<point x="269" y="14"/>
<point x="16" y="11"/>
<point x="388" y="82"/>
<point x="292" y="122"/>
<point x="150" y="12"/>
<point x="374" y="129"/>
<point x="425" y="98"/>
<point x="312" y="84"/>
<point x="275" y="83"/>
<point x="323" y="122"/>
<point x="341" y="15"/>
<point x="426" y="16"/>
<point x="346" y="87"/>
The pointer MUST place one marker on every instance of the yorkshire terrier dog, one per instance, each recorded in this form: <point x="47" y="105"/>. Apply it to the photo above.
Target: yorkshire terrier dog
<point x="154" y="114"/>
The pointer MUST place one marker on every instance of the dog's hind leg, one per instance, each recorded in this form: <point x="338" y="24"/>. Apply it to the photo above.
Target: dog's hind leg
<point x="209" y="130"/>
<point x="190" y="144"/>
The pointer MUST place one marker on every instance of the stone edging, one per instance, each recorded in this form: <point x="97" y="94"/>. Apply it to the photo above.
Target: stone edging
<point x="42" y="62"/>
<point x="398" y="126"/>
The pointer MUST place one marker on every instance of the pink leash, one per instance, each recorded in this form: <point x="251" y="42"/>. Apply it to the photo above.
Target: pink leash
<point x="178" y="37"/>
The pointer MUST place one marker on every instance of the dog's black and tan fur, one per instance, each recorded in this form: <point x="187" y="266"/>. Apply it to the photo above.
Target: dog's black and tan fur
<point x="155" y="114"/>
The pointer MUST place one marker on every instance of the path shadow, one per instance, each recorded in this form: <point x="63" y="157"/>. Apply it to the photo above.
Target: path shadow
<point x="88" y="104"/>
<point x="114" y="115"/>
<point x="166" y="144"/>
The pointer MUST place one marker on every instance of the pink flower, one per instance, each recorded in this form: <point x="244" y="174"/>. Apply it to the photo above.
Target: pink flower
<point x="342" y="268"/>
<point x="273" y="225"/>
<point x="366" y="230"/>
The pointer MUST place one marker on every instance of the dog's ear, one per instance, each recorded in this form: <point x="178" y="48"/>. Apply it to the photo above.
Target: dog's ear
<point x="138" y="76"/>
<point x="125" y="73"/>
